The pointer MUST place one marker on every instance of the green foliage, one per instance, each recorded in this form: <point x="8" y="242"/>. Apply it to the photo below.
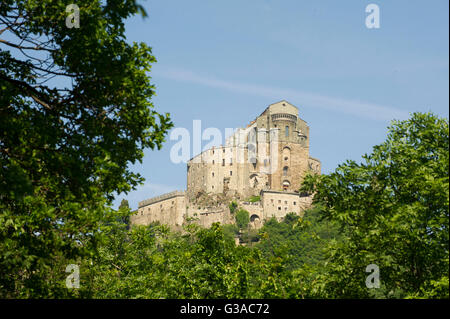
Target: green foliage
<point x="125" y="210"/>
<point x="233" y="206"/>
<point x="75" y="111"/>
<point x="242" y="218"/>
<point x="250" y="236"/>
<point x="124" y="204"/>
<point x="230" y="231"/>
<point x="254" y="199"/>
<point x="37" y="245"/>
<point x="304" y="239"/>
<point x="393" y="210"/>
<point x="152" y="262"/>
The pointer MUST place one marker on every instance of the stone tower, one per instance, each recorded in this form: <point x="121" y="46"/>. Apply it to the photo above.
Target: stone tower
<point x="271" y="153"/>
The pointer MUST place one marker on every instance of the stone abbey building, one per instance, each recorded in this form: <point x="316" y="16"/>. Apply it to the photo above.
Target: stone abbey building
<point x="269" y="158"/>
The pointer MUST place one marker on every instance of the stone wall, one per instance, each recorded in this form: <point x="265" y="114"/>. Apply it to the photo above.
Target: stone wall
<point x="279" y="204"/>
<point x="167" y="209"/>
<point x="314" y="165"/>
<point x="209" y="215"/>
<point x="291" y="169"/>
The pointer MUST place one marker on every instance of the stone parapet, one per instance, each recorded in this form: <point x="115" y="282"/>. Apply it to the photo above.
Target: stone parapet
<point x="160" y="198"/>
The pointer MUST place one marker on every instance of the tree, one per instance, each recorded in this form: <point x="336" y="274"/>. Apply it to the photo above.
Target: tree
<point x="75" y="111"/>
<point x="233" y="206"/>
<point x="393" y="210"/>
<point x="124" y="215"/>
<point x="124" y="204"/>
<point x="153" y="262"/>
<point x="231" y="231"/>
<point x="304" y="239"/>
<point x="242" y="218"/>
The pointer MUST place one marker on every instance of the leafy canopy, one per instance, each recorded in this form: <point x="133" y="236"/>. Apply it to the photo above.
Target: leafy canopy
<point x="242" y="218"/>
<point x="393" y="211"/>
<point x="75" y="111"/>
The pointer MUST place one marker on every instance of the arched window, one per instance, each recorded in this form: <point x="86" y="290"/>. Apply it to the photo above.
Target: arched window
<point x="285" y="171"/>
<point x="287" y="131"/>
<point x="252" y="136"/>
<point x="286" y="156"/>
<point x="252" y="146"/>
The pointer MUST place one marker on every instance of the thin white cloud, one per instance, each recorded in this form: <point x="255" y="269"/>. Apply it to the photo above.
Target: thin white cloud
<point x="311" y="100"/>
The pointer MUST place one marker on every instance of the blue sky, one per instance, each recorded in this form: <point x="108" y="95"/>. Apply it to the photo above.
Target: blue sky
<point x="224" y="62"/>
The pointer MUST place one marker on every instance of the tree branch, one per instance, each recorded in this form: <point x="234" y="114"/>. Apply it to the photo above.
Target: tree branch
<point x="33" y="93"/>
<point x="37" y="48"/>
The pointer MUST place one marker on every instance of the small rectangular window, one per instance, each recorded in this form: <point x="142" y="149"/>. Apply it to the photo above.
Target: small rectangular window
<point x="223" y="162"/>
<point x="231" y="173"/>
